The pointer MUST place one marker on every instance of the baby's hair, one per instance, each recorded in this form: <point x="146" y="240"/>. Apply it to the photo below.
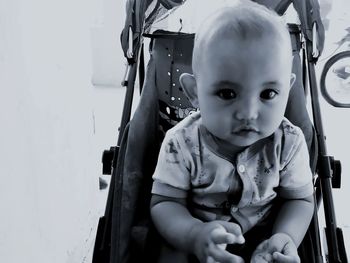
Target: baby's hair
<point x="246" y="21"/>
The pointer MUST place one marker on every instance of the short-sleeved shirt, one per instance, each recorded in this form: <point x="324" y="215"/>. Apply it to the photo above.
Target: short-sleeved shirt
<point x="191" y="165"/>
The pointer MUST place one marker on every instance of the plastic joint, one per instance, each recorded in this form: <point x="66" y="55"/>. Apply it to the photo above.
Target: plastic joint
<point x="336" y="175"/>
<point x="107" y="159"/>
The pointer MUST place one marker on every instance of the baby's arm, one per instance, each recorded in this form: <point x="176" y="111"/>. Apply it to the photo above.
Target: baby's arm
<point x="294" y="218"/>
<point x="289" y="229"/>
<point x="190" y="235"/>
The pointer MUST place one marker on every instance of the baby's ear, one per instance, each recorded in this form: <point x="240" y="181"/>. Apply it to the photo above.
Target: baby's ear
<point x="292" y="79"/>
<point x="189" y="85"/>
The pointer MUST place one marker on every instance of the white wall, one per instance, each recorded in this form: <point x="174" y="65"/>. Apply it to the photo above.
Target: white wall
<point x="54" y="126"/>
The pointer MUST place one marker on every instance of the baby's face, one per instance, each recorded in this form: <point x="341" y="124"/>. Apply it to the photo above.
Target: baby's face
<point x="243" y="89"/>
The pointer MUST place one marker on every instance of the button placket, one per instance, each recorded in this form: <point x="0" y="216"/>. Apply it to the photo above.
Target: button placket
<point x="247" y="188"/>
<point x="234" y="209"/>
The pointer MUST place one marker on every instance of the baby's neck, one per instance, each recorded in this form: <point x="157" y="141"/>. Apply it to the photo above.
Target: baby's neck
<point x="230" y="150"/>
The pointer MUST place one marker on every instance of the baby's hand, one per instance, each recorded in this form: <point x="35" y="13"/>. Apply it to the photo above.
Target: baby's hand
<point x="212" y="239"/>
<point x="278" y="248"/>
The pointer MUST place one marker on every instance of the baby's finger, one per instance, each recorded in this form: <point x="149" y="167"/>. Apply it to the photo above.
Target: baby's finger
<point x="235" y="231"/>
<point x="231" y="227"/>
<point x="263" y="246"/>
<point x="279" y="257"/>
<point x="220" y="236"/>
<point x="289" y="249"/>
<point x="268" y="257"/>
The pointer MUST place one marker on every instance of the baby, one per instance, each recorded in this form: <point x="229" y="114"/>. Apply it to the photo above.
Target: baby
<point x="233" y="182"/>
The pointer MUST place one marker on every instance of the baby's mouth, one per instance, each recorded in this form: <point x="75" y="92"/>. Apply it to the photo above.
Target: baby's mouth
<point x="244" y="130"/>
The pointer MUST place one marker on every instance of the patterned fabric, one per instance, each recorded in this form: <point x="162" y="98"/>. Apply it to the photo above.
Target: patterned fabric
<point x="192" y="165"/>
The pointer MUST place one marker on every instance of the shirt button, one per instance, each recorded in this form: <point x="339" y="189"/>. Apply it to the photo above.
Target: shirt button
<point x="234" y="209"/>
<point x="241" y="168"/>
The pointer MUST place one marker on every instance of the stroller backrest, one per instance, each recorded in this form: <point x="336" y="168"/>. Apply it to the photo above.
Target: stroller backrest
<point x="172" y="54"/>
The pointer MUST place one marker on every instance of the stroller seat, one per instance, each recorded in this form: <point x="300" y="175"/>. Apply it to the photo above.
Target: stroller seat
<point x="172" y="54"/>
<point x="128" y="234"/>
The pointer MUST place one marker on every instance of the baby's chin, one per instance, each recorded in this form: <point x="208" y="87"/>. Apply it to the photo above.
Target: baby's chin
<point x="246" y="141"/>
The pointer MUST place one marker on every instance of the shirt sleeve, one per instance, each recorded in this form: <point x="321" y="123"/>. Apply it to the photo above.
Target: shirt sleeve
<point x="296" y="175"/>
<point x="172" y="175"/>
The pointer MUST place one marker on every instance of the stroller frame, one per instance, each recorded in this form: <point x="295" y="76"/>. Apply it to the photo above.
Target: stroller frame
<point x="108" y="247"/>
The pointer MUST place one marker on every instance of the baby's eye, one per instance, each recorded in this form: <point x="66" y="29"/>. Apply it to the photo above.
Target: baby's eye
<point x="268" y="94"/>
<point x="226" y="94"/>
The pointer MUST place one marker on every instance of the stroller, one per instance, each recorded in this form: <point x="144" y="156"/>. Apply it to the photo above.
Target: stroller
<point x="125" y="233"/>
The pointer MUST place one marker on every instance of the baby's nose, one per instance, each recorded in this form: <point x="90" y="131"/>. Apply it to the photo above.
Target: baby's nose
<point x="247" y="111"/>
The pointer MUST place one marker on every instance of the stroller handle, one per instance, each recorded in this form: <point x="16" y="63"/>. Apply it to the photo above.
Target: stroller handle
<point x="315" y="51"/>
